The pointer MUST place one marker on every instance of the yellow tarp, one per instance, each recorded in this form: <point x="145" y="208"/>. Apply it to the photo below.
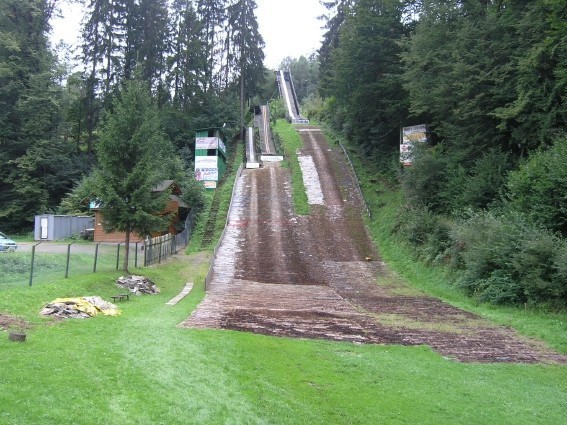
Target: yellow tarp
<point x="84" y="306"/>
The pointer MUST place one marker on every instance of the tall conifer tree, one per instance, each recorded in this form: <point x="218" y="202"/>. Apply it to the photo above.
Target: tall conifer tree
<point x="248" y="49"/>
<point x="29" y="109"/>
<point x="132" y="154"/>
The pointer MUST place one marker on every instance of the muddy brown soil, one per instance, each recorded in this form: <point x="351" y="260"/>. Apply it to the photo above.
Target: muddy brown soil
<point x="320" y="276"/>
<point x="10" y="322"/>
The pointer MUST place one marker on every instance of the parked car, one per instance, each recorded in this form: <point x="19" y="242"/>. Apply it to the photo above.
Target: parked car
<point x="7" y="244"/>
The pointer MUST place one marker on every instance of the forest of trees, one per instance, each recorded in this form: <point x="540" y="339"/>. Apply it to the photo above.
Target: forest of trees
<point x="487" y="194"/>
<point x="197" y="57"/>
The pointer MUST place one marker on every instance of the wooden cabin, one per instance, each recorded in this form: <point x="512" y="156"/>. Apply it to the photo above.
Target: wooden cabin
<point x="174" y="205"/>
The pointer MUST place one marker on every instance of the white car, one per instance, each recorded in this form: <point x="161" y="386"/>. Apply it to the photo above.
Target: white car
<point x="7" y="244"/>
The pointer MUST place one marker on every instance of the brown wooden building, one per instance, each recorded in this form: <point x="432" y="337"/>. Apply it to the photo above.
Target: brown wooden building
<point x="175" y="205"/>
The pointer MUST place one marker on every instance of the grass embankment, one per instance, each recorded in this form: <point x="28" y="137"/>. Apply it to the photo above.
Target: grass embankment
<point x="291" y="143"/>
<point x="140" y="368"/>
<point x="15" y="267"/>
<point x="223" y="194"/>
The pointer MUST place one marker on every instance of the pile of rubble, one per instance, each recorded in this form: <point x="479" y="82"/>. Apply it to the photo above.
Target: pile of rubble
<point x="137" y="285"/>
<point x="79" y="308"/>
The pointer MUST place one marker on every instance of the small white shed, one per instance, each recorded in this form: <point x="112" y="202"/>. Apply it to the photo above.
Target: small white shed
<point x="49" y="227"/>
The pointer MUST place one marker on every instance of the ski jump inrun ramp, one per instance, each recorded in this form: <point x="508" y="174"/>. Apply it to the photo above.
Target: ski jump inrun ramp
<point x="287" y="92"/>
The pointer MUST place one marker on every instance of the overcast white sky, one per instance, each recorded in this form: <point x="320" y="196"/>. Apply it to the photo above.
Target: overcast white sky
<point x="289" y="27"/>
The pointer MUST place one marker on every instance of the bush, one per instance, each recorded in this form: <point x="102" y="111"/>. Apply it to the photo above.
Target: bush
<point x="425" y="180"/>
<point x="507" y="260"/>
<point x="486" y="180"/>
<point x="427" y="233"/>
<point x="445" y="186"/>
<point x="539" y="187"/>
<point x="313" y="107"/>
<point x="334" y="115"/>
<point x="193" y="192"/>
<point x="277" y="110"/>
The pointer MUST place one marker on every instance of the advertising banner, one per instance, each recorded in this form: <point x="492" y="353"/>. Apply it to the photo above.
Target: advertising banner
<point x="409" y="137"/>
<point x="206" y="174"/>
<point x="207" y="143"/>
<point x="206" y="168"/>
<point x="222" y="147"/>
<point x="206" y="162"/>
<point x="415" y="133"/>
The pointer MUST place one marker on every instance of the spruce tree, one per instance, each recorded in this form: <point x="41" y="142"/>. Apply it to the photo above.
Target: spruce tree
<point x="132" y="154"/>
<point x="248" y="50"/>
<point x="29" y="110"/>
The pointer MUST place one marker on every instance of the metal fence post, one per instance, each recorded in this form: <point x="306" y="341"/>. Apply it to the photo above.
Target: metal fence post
<point x="136" y="256"/>
<point x="145" y="253"/>
<point x="118" y="255"/>
<point x="95" y="256"/>
<point x="68" y="258"/>
<point x="32" y="262"/>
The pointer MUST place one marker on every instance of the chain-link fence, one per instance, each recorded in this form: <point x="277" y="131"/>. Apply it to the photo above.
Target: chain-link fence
<point x="38" y="263"/>
<point x="34" y="263"/>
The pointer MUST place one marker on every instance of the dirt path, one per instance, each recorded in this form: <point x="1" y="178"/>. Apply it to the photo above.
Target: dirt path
<point x="279" y="274"/>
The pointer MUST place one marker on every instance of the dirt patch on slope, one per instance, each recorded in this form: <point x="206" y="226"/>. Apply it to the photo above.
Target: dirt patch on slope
<point x="279" y="274"/>
<point x="11" y="322"/>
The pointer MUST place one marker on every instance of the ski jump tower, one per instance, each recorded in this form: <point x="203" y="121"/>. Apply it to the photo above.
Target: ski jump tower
<point x="287" y="92"/>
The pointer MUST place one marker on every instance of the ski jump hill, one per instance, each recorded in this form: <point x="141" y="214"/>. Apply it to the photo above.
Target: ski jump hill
<point x="287" y="92"/>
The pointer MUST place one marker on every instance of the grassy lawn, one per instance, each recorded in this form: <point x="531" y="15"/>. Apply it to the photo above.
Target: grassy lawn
<point x="140" y="368"/>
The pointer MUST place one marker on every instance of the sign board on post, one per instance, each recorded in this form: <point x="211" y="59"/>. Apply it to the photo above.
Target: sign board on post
<point x="206" y="168"/>
<point x="206" y="143"/>
<point x="210" y="143"/>
<point x="409" y="137"/>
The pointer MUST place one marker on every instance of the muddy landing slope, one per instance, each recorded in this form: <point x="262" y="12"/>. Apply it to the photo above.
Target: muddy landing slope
<point x="320" y="276"/>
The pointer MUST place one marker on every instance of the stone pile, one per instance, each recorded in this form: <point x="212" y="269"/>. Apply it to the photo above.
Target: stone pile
<point x="137" y="285"/>
<point x="79" y="308"/>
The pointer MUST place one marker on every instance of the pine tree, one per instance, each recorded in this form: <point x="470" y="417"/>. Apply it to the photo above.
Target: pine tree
<point x="29" y="110"/>
<point x="212" y="14"/>
<point x="145" y="39"/>
<point x="339" y="10"/>
<point x="99" y="55"/>
<point x="187" y="61"/>
<point x="248" y="50"/>
<point x="365" y="74"/>
<point x="132" y="154"/>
